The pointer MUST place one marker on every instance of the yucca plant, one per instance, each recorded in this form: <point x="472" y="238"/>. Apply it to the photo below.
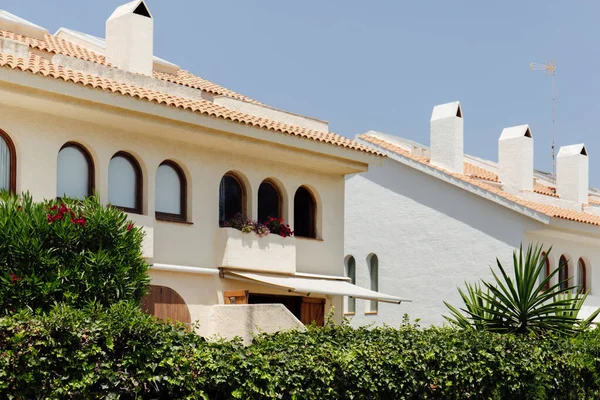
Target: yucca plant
<point x="522" y="303"/>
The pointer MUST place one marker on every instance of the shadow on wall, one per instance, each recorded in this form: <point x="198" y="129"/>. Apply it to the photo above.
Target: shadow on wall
<point x="479" y="213"/>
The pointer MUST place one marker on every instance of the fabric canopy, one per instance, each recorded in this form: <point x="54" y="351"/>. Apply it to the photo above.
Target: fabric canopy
<point x="314" y="285"/>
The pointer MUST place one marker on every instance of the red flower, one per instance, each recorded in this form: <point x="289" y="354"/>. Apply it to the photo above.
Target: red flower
<point x="63" y="209"/>
<point x="53" y="208"/>
<point x="129" y="227"/>
<point x="14" y="277"/>
<point x="78" y="221"/>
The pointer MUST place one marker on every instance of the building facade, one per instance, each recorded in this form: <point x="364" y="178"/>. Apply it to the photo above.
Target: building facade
<point x="431" y="218"/>
<point x="181" y="155"/>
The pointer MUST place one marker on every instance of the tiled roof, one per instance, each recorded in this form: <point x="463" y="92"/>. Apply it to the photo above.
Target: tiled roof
<point x="56" y="45"/>
<point x="543" y="189"/>
<point x="480" y="173"/>
<point x="549" y="210"/>
<point x="42" y="66"/>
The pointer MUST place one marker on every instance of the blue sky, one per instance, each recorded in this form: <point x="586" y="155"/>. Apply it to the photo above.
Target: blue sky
<point x="383" y="65"/>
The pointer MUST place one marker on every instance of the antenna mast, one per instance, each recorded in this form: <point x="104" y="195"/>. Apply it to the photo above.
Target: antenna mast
<point x="550" y="68"/>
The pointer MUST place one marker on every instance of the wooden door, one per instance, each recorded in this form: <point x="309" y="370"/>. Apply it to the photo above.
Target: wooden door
<point x="165" y="303"/>
<point x="236" y="296"/>
<point x="313" y="310"/>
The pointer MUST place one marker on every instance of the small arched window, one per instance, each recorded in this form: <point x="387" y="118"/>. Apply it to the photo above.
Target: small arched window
<point x="374" y="278"/>
<point x="563" y="272"/>
<point x="232" y="197"/>
<point x="8" y="163"/>
<point x="305" y="210"/>
<point x="125" y="183"/>
<point x="581" y="277"/>
<point x="171" y="192"/>
<point x="75" y="172"/>
<point x="351" y="273"/>
<point x="545" y="272"/>
<point x="269" y="201"/>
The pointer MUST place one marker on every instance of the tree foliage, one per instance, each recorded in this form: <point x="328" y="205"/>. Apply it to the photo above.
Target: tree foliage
<point x="522" y="303"/>
<point x="65" y="251"/>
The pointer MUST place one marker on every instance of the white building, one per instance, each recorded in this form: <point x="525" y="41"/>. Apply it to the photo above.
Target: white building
<point x="429" y="219"/>
<point x="83" y="115"/>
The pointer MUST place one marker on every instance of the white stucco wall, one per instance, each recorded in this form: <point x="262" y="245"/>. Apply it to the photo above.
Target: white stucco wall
<point x="430" y="237"/>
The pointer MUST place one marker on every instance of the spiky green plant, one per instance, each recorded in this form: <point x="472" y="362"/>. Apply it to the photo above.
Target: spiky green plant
<point x="521" y="303"/>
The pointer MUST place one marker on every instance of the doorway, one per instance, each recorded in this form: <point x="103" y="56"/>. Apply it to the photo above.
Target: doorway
<point x="306" y="309"/>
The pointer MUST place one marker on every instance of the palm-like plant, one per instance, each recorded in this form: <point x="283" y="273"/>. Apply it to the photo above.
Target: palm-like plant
<point x="523" y="303"/>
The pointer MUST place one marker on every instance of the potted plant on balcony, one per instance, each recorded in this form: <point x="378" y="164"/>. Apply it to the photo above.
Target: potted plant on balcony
<point x="276" y="226"/>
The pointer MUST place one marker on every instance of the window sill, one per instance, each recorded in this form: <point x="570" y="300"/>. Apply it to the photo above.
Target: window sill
<point x="349" y="314"/>
<point x="173" y="220"/>
<point x="371" y="312"/>
<point x="309" y="239"/>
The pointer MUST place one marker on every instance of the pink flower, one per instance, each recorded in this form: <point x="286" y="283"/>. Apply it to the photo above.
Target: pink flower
<point x="129" y="227"/>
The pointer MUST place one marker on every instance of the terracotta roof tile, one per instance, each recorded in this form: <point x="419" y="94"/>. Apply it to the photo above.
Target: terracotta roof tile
<point x="549" y="210"/>
<point x="480" y="173"/>
<point x="543" y="189"/>
<point x="38" y="65"/>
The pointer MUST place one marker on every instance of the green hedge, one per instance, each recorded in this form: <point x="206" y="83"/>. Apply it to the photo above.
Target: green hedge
<point x="121" y="353"/>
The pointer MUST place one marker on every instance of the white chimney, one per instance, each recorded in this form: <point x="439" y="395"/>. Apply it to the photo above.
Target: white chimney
<point x="446" y="139"/>
<point x="515" y="159"/>
<point x="130" y="38"/>
<point x="572" y="173"/>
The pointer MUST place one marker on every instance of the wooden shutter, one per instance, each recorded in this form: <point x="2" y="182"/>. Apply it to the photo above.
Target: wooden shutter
<point x="313" y="310"/>
<point x="165" y="303"/>
<point x="236" y="296"/>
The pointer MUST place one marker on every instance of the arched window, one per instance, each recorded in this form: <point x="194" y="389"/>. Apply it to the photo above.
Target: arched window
<point x="581" y="276"/>
<point x="171" y="192"/>
<point x="304" y="214"/>
<point x="269" y="201"/>
<point x="232" y="197"/>
<point x="545" y="272"/>
<point x="8" y="163"/>
<point x="75" y="172"/>
<point x="374" y="278"/>
<point x="563" y="272"/>
<point x="125" y="183"/>
<point x="351" y="273"/>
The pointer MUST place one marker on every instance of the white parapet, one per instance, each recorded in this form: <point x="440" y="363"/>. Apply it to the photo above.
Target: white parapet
<point x="248" y="251"/>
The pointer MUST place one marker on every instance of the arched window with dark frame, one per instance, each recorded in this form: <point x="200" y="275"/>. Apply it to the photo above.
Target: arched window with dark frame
<point x="125" y="183"/>
<point x="545" y="272"/>
<point x="581" y="276"/>
<point x="373" y="262"/>
<point x="563" y="272"/>
<point x="305" y="211"/>
<point x="269" y="201"/>
<point x="75" y="172"/>
<point x="232" y="197"/>
<point x="351" y="273"/>
<point x="171" y="192"/>
<point x="8" y="163"/>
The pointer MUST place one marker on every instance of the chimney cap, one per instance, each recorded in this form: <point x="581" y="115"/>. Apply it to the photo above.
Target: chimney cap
<point x="514" y="132"/>
<point x="134" y="7"/>
<point x="572" y="150"/>
<point x="447" y="110"/>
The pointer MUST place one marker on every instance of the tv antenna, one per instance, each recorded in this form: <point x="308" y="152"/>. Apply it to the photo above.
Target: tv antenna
<point x="550" y="68"/>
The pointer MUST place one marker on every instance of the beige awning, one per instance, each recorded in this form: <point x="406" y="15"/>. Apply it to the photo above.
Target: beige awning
<point x="313" y="285"/>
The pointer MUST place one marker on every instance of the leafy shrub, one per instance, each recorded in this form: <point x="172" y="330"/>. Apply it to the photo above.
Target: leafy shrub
<point x="72" y="252"/>
<point x="120" y="352"/>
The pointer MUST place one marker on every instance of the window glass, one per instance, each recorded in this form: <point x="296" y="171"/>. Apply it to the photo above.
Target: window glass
<point x="268" y="202"/>
<point x="304" y="214"/>
<point x="581" y="271"/>
<point x="4" y="165"/>
<point x="73" y="173"/>
<point x="231" y="198"/>
<point x="563" y="273"/>
<point x="122" y="183"/>
<point x="168" y="190"/>
<point x="351" y="273"/>
<point x="545" y="271"/>
<point x="374" y="277"/>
